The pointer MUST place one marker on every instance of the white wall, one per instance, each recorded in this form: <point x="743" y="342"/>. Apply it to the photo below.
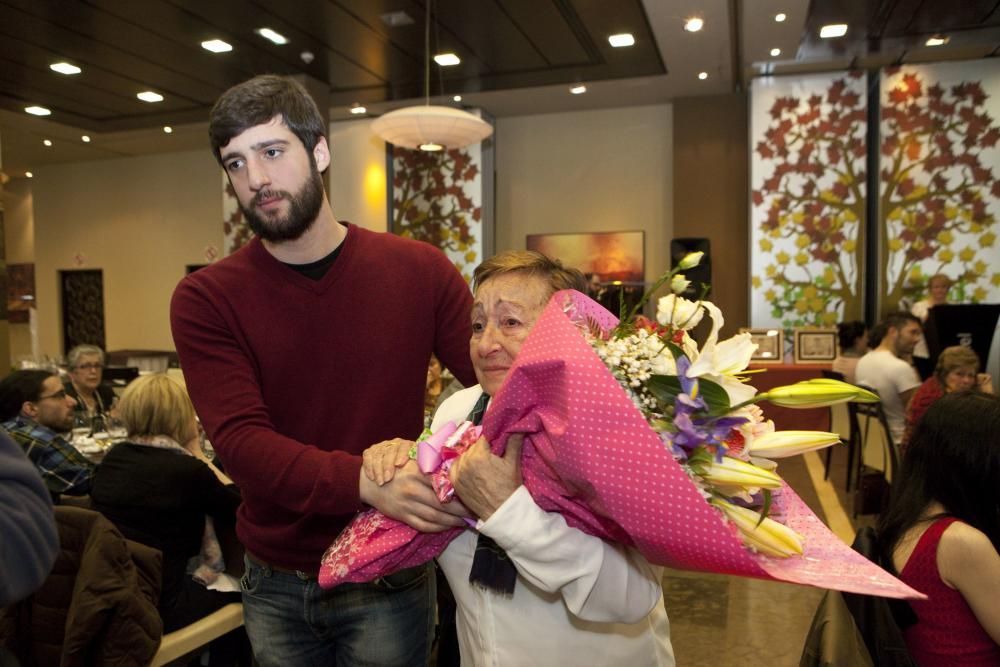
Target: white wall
<point x="588" y="171"/>
<point x="141" y="220"/>
<point x="356" y="177"/>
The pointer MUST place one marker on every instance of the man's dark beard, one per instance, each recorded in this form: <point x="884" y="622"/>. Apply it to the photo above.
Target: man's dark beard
<point x="303" y="209"/>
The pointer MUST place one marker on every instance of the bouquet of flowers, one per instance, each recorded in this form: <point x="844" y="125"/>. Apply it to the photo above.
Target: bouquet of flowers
<point x="637" y="436"/>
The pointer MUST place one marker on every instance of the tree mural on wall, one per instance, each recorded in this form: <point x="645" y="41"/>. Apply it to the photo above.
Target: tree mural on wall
<point x="938" y="192"/>
<point x="432" y="203"/>
<point x="813" y="198"/>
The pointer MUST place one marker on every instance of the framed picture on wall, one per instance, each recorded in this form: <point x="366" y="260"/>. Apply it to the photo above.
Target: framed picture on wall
<point x="613" y="262"/>
<point x="815" y="346"/>
<point x="770" y="345"/>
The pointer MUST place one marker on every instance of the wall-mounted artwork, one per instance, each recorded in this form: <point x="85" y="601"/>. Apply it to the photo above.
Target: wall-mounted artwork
<point x="940" y="186"/>
<point x="444" y="198"/>
<point x="613" y="262"/>
<point x="770" y="345"/>
<point x="20" y="292"/>
<point x="807" y="199"/>
<point x="813" y="346"/>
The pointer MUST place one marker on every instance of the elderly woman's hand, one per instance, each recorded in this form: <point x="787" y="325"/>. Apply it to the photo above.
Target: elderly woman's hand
<point x="381" y="460"/>
<point x="482" y="480"/>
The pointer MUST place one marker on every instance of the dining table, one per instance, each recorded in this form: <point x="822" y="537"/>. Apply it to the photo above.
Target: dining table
<point x="768" y="376"/>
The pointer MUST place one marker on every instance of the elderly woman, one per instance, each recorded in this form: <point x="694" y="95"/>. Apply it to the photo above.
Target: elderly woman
<point x="941" y="531"/>
<point x="530" y="589"/>
<point x="956" y="370"/>
<point x="86" y="366"/>
<point x="159" y="489"/>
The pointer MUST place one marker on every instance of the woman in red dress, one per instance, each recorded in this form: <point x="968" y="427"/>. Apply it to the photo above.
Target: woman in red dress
<point x="941" y="531"/>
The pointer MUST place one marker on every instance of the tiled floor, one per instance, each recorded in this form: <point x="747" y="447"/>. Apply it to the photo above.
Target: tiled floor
<point x="722" y="621"/>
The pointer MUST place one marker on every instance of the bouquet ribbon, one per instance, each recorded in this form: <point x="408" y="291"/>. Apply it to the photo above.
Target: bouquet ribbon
<point x="589" y="454"/>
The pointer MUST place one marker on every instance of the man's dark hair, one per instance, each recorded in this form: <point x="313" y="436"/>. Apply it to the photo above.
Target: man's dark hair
<point x="18" y="387"/>
<point x="257" y="101"/>
<point x="895" y="320"/>
<point x="848" y="332"/>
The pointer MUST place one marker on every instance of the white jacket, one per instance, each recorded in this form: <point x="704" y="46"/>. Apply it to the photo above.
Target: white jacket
<point x="578" y="600"/>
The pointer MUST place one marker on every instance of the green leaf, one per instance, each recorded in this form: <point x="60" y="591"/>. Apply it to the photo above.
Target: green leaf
<point x="715" y="396"/>
<point x="664" y="388"/>
<point x="766" y="509"/>
<point x="674" y="349"/>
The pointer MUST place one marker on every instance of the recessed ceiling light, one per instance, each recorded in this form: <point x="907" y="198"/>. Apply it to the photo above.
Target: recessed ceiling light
<point x="358" y="109"/>
<point x="694" y="24"/>
<point x="85" y="139"/>
<point x="65" y="68"/>
<point x="936" y="40"/>
<point x="780" y="18"/>
<point x="776" y="52"/>
<point x="38" y="111"/>
<point x="28" y="174"/>
<point x="149" y="96"/>
<point x="396" y="19"/>
<point x="621" y="39"/>
<point x="272" y="36"/>
<point x="447" y="59"/>
<point x="167" y="129"/>
<point x="457" y="98"/>
<point x="702" y="75"/>
<point x="578" y="90"/>
<point x="47" y="142"/>
<point x="216" y="46"/>
<point x="833" y="30"/>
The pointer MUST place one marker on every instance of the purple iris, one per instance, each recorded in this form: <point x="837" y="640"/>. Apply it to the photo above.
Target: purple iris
<point x="692" y="430"/>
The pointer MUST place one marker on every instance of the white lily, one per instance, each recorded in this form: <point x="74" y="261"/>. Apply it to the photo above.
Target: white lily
<point x="817" y="393"/>
<point x="732" y="472"/>
<point x="720" y="362"/>
<point x="780" y="444"/>
<point x="679" y="284"/>
<point x="768" y="536"/>
<point x="691" y="260"/>
<point x="678" y="312"/>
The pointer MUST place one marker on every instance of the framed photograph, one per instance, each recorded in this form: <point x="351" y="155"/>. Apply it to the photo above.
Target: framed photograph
<point x="815" y="346"/>
<point x="770" y="345"/>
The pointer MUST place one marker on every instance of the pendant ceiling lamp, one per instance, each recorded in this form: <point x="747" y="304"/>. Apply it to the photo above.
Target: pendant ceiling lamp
<point x="429" y="127"/>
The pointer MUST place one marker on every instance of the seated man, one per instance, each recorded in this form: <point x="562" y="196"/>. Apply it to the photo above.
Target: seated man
<point x="884" y="370"/>
<point x="34" y="408"/>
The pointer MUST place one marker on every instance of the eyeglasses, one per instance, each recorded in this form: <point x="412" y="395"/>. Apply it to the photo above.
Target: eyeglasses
<point x="61" y="394"/>
<point x="90" y="367"/>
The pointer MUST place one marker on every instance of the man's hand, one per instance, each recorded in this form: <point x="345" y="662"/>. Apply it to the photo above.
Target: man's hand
<point x="380" y="461"/>
<point x="409" y="498"/>
<point x="483" y="480"/>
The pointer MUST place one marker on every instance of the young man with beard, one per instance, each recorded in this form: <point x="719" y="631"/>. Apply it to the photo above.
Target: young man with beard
<point x="300" y="350"/>
<point x="884" y="370"/>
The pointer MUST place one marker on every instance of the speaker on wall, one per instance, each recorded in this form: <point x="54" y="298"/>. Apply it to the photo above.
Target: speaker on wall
<point x="701" y="275"/>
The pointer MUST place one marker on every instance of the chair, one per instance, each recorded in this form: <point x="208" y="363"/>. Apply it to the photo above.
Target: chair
<point x="190" y="638"/>
<point x="877" y="445"/>
<point x="842" y="423"/>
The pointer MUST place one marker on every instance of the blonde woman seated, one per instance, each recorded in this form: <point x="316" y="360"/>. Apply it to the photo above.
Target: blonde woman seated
<point x="159" y="489"/>
<point x="530" y="589"/>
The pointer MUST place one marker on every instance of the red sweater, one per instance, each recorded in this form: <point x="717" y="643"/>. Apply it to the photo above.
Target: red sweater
<point x="293" y="378"/>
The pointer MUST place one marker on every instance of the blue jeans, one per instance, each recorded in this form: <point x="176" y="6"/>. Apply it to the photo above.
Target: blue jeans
<point x="292" y="621"/>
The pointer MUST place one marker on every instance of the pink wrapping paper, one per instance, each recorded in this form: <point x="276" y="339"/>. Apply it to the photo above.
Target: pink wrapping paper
<point x="590" y="455"/>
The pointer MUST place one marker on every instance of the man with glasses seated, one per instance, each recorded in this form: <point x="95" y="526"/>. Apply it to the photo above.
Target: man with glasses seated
<point x="86" y="368"/>
<point x="35" y="409"/>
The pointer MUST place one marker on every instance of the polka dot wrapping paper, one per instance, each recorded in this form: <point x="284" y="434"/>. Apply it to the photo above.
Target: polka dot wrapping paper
<point x="590" y="455"/>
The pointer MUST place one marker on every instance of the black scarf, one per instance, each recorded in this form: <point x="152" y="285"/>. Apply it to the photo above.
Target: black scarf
<point x="492" y="568"/>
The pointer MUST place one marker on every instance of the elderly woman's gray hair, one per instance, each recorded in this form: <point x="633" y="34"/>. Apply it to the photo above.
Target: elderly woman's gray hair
<point x="530" y="263"/>
<point x="73" y="356"/>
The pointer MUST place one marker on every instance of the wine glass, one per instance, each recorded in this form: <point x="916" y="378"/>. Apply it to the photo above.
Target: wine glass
<point x="116" y="429"/>
<point x="82" y="428"/>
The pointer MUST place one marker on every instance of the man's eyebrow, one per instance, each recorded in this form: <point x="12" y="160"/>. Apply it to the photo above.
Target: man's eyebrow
<point x="256" y="147"/>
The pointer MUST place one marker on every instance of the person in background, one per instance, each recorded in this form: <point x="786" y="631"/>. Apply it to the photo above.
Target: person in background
<point x="530" y="589"/>
<point x="86" y="366"/>
<point x="957" y="370"/>
<point x="300" y="350"/>
<point x="35" y="409"/>
<point x="937" y="294"/>
<point x="941" y="531"/>
<point x="853" y="339"/>
<point x="884" y="369"/>
<point x="160" y="489"/>
<point x="28" y="529"/>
